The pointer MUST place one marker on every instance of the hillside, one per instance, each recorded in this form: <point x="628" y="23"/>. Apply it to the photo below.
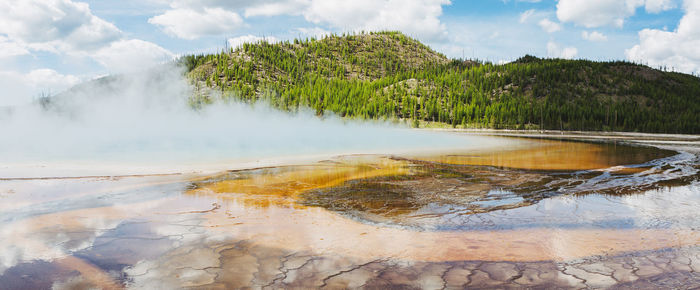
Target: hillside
<point x="388" y="75"/>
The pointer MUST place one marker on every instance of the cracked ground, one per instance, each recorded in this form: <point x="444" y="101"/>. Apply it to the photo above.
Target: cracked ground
<point x="382" y="222"/>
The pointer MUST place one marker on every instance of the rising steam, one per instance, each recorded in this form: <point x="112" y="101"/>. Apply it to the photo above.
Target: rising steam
<point x="145" y="119"/>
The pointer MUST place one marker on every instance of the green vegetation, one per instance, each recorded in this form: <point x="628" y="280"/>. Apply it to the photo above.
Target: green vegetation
<point x="388" y="75"/>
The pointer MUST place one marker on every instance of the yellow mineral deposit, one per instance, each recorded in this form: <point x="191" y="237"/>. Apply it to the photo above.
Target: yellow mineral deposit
<point x="556" y="155"/>
<point x="281" y="185"/>
<point x="251" y="227"/>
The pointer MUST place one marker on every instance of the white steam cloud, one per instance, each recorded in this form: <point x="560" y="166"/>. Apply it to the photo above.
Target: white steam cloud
<point x="144" y="120"/>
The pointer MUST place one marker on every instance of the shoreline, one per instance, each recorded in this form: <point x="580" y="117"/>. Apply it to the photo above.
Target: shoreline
<point x="615" y="134"/>
<point x="675" y="142"/>
<point x="573" y="134"/>
<point x="97" y="169"/>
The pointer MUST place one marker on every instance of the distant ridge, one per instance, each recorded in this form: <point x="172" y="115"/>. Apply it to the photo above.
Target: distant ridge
<point x="388" y="75"/>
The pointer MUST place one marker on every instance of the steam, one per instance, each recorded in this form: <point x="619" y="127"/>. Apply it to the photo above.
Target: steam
<point x="145" y="119"/>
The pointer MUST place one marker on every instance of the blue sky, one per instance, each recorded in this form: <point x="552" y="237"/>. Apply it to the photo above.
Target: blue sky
<point x="49" y="45"/>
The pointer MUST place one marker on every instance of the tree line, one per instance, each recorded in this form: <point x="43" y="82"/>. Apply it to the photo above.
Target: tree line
<point x="388" y="75"/>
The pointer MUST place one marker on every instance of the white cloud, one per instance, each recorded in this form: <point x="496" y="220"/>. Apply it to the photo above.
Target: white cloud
<point x="190" y="19"/>
<point x="656" y="6"/>
<point x="50" y="80"/>
<point x="21" y="88"/>
<point x="58" y="25"/>
<point x="131" y="55"/>
<point x="238" y="41"/>
<point x="10" y="48"/>
<point x="595" y="13"/>
<point x="225" y="4"/>
<point x="71" y="34"/>
<point x="679" y="49"/>
<point x="277" y="8"/>
<point x="63" y="27"/>
<point x="598" y="13"/>
<point x="556" y="51"/>
<point x="549" y="26"/>
<point x="420" y="18"/>
<point x="594" y="36"/>
<point x="526" y="15"/>
<point x="316" y="32"/>
<point x="191" y="24"/>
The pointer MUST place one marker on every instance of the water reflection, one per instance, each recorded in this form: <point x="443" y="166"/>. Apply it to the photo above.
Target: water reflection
<point x="363" y="220"/>
<point x="442" y="196"/>
<point x="560" y="155"/>
<point x="281" y="185"/>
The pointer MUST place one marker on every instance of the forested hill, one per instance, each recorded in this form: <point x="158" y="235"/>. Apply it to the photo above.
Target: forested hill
<point x="388" y="75"/>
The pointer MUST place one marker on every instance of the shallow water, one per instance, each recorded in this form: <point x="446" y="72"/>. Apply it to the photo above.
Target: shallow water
<point x="547" y="213"/>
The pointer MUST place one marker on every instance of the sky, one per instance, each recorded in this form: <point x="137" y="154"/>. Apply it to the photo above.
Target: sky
<point x="47" y="46"/>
